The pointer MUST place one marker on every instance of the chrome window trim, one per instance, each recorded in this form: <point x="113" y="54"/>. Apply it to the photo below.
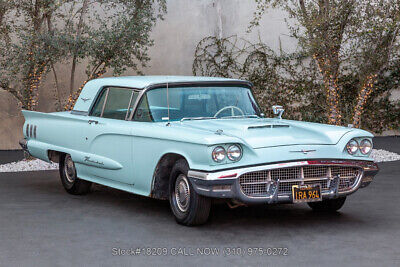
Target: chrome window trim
<point x="105" y="87"/>
<point x="129" y="104"/>
<point x="79" y="112"/>
<point x="104" y="104"/>
<point x="140" y="96"/>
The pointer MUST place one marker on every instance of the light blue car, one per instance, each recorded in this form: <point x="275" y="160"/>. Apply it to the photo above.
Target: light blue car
<point x="195" y="139"/>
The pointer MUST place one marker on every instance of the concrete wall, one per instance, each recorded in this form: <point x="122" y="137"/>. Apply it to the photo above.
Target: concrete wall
<point x="186" y="23"/>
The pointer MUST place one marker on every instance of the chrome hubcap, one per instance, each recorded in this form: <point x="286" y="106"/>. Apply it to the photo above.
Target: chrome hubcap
<point x="69" y="169"/>
<point x="182" y="193"/>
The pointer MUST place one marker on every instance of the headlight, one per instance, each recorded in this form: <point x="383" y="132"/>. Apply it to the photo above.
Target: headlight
<point x="218" y="154"/>
<point x="234" y="152"/>
<point x="365" y="146"/>
<point x="352" y="147"/>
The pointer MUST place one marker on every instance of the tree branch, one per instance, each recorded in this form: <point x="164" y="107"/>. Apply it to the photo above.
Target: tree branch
<point x="16" y="94"/>
<point x="75" y="52"/>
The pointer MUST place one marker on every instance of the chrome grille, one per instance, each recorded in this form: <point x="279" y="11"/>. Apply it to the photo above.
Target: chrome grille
<point x="315" y="171"/>
<point x="256" y="183"/>
<point x="286" y="174"/>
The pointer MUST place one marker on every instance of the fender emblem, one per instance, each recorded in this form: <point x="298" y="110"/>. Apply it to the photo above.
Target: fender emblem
<point x="304" y="151"/>
<point x="85" y="99"/>
<point x="87" y="159"/>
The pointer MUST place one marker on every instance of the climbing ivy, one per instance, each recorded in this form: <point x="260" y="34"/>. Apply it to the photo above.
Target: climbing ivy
<point x="293" y="80"/>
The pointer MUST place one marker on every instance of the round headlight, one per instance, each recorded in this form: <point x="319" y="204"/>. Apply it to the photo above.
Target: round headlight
<point x="365" y="146"/>
<point x="234" y="152"/>
<point x="218" y="154"/>
<point x="352" y="147"/>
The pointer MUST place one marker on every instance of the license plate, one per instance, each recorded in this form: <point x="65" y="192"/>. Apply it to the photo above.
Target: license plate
<point x="306" y="193"/>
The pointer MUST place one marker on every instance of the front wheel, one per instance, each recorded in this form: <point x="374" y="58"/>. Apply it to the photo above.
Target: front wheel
<point x="72" y="184"/>
<point x="188" y="207"/>
<point x="328" y="205"/>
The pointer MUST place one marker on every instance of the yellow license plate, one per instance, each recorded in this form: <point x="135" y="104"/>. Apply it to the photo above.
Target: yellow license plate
<point x="306" y="193"/>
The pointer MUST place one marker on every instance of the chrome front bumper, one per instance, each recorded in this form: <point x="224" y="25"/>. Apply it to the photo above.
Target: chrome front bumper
<point x="227" y="183"/>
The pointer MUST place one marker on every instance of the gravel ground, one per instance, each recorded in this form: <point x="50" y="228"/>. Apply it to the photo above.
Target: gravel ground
<point x="28" y="165"/>
<point x="379" y="155"/>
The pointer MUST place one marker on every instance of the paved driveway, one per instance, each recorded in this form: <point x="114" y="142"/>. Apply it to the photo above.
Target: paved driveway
<point x="41" y="225"/>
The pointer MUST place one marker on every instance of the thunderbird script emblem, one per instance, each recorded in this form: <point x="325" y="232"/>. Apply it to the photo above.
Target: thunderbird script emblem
<point x="304" y="151"/>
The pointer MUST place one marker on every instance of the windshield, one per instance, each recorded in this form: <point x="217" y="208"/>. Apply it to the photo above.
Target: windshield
<point x="196" y="103"/>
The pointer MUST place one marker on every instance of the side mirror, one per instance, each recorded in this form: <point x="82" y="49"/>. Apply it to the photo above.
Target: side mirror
<point x="278" y="110"/>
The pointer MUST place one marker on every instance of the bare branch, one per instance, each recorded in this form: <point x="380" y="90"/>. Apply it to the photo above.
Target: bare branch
<point x="78" y="36"/>
<point x="16" y="94"/>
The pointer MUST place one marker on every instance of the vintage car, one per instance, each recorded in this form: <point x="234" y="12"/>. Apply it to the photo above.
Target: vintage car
<point x="196" y="139"/>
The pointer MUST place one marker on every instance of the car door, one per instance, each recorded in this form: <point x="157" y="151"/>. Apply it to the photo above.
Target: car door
<point x="109" y="136"/>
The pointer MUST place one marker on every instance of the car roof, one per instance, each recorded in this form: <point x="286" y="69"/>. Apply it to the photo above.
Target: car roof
<point x="91" y="89"/>
<point x="141" y="82"/>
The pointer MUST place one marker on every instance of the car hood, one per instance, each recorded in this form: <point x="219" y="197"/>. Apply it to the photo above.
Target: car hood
<point x="259" y="133"/>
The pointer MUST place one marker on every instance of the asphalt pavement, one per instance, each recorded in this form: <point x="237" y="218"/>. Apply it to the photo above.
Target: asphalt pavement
<point x="42" y="225"/>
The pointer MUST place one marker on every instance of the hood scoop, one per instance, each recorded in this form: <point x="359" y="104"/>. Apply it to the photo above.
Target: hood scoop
<point x="268" y="126"/>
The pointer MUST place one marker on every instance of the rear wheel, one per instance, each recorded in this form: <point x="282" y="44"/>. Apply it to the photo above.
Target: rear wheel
<point x="72" y="184"/>
<point x="188" y="207"/>
<point x="328" y="205"/>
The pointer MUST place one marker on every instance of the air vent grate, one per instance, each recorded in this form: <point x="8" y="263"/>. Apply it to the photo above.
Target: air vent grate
<point x="268" y="126"/>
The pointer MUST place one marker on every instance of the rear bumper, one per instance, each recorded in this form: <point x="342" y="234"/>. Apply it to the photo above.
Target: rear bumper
<point x="24" y="144"/>
<point x="227" y="183"/>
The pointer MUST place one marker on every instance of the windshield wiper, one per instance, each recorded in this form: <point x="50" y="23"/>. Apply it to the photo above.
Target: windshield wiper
<point x="240" y="116"/>
<point x="213" y="118"/>
<point x="197" y="118"/>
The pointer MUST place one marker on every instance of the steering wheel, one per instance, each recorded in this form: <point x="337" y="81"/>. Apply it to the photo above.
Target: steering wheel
<point x="232" y="108"/>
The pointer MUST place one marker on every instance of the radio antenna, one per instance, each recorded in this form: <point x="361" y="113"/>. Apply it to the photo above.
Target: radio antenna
<point x="168" y="124"/>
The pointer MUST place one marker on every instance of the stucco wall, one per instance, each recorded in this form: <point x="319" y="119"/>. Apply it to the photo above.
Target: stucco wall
<point x="185" y="24"/>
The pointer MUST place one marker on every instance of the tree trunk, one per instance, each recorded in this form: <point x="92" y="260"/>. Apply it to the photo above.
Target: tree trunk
<point x="363" y="95"/>
<point x="329" y="75"/>
<point x="332" y="97"/>
<point x="57" y="88"/>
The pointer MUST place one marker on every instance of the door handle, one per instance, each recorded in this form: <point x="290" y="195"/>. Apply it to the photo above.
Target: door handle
<point x="93" y="121"/>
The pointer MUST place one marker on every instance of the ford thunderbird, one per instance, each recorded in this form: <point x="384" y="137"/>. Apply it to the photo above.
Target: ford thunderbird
<point x="192" y="140"/>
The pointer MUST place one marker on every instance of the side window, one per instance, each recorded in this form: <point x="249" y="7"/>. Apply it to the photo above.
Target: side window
<point x="142" y="112"/>
<point x="115" y="103"/>
<point x="98" y="106"/>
